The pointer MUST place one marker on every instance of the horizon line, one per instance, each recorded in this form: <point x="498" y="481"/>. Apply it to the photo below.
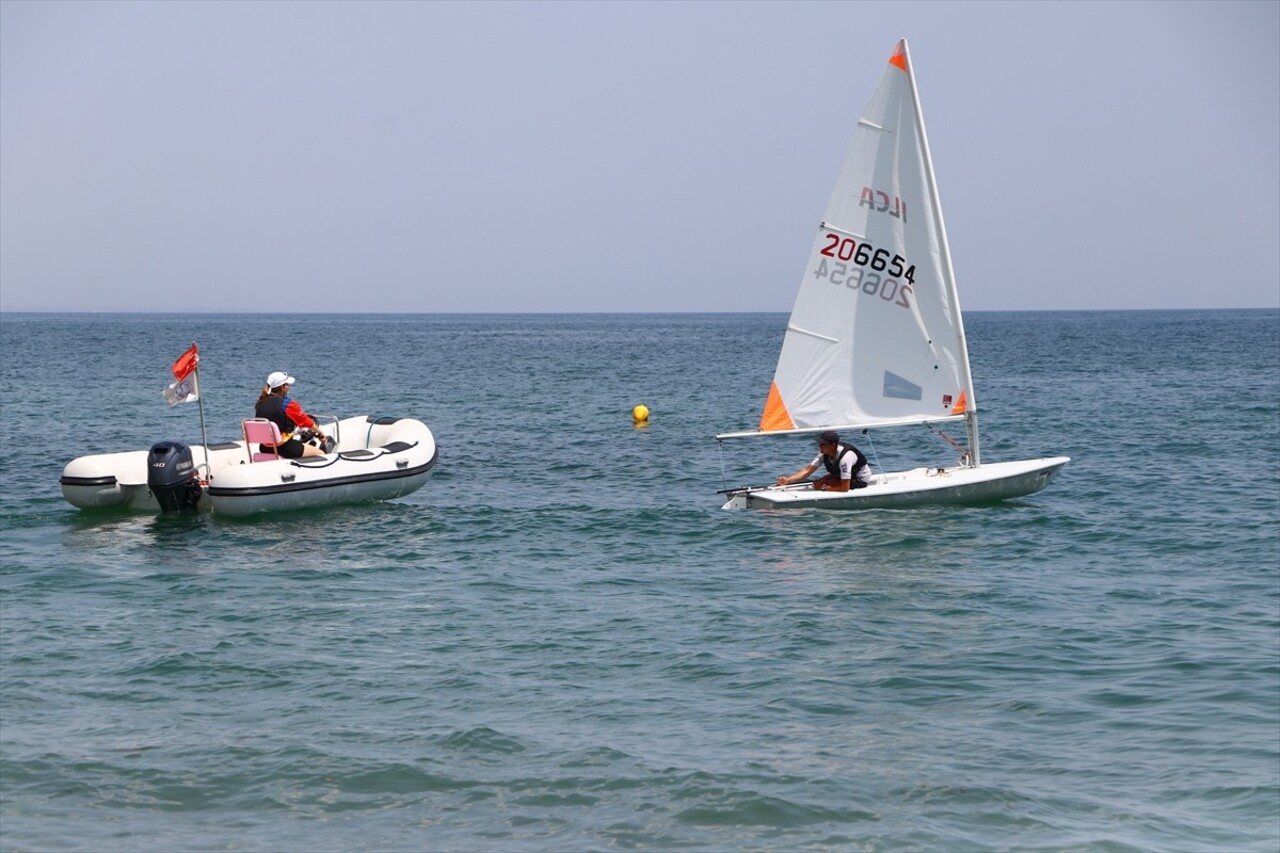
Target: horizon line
<point x="233" y="312"/>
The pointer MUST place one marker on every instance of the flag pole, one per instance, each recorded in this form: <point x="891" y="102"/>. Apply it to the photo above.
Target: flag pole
<point x="204" y="435"/>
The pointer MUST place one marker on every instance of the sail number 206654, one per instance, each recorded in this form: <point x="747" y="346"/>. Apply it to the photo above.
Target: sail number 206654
<point x="859" y="266"/>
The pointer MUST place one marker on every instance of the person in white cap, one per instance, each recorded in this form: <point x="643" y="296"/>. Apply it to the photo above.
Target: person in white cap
<point x="275" y="405"/>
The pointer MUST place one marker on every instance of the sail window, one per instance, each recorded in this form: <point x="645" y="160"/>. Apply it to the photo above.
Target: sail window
<point x="901" y="389"/>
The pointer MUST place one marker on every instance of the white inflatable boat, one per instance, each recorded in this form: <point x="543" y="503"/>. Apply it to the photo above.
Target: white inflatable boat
<point x="373" y="459"/>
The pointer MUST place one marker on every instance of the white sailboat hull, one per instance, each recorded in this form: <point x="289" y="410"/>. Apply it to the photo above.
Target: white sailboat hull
<point x="375" y="459"/>
<point x="917" y="487"/>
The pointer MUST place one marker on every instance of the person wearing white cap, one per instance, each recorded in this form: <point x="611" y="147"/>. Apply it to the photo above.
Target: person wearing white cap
<point x="275" y="405"/>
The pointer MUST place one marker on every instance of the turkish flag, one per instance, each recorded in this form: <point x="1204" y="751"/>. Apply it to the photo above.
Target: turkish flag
<point x="186" y="363"/>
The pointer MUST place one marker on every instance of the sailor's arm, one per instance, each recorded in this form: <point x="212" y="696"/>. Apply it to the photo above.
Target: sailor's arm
<point x="797" y="476"/>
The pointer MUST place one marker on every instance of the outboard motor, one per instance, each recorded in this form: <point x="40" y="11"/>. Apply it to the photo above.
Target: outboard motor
<point x="171" y="476"/>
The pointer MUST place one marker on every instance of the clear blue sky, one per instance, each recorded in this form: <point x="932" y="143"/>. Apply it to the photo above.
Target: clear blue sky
<point x="615" y="156"/>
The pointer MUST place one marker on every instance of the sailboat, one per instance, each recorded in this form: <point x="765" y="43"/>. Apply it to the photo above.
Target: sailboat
<point x="876" y="337"/>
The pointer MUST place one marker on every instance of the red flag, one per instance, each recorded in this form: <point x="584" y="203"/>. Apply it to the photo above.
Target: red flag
<point x="186" y="363"/>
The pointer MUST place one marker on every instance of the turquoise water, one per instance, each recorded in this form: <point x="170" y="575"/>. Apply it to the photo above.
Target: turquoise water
<point x="563" y="643"/>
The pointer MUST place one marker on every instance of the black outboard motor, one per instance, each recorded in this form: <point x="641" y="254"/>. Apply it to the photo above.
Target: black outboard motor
<point x="171" y="476"/>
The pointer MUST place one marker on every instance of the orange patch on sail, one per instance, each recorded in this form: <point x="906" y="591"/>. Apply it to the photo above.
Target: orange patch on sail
<point x="899" y="58"/>
<point x="775" y="415"/>
<point x="960" y="406"/>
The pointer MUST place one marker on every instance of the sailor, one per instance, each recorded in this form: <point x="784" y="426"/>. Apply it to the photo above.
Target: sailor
<point x="846" y="466"/>
<point x="275" y="405"/>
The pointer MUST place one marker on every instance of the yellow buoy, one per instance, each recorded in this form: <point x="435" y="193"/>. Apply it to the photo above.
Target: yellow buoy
<point x="640" y="414"/>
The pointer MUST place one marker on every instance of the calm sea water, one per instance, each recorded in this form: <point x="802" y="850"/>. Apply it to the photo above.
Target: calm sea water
<point x="563" y="643"/>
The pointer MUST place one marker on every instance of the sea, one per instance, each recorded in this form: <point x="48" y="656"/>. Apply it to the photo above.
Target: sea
<point x="564" y="643"/>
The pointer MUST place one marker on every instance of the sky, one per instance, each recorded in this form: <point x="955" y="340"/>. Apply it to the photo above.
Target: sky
<point x="408" y="157"/>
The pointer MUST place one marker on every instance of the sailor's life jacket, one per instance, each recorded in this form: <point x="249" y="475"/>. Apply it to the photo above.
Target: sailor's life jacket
<point x="833" y="464"/>
<point x="272" y="409"/>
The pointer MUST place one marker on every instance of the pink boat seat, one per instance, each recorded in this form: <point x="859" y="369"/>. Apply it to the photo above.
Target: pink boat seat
<point x="260" y="431"/>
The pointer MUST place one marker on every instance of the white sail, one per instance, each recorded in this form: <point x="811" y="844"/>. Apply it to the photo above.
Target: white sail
<point x="875" y="337"/>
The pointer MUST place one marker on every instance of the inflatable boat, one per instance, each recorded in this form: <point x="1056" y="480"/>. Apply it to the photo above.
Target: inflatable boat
<point x="370" y="459"/>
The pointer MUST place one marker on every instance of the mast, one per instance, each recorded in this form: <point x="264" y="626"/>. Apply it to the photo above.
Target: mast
<point x="953" y="298"/>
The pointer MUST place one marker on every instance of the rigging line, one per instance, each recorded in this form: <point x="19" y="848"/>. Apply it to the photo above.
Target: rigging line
<point x="964" y="454"/>
<point x="723" y="478"/>
<point x="872" y="445"/>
